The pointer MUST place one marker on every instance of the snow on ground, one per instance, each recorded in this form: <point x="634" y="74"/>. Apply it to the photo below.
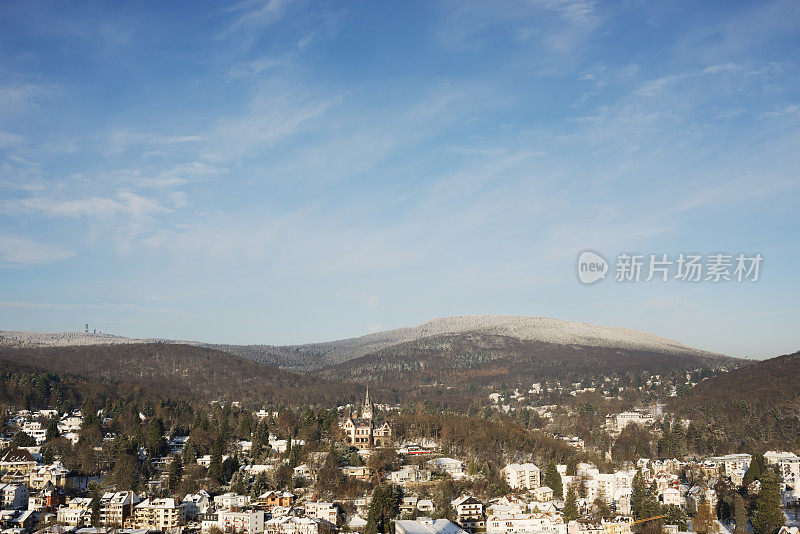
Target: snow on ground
<point x="527" y="328"/>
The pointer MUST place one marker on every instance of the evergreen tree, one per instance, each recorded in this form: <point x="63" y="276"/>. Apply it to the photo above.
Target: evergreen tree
<point x="189" y="454"/>
<point x="154" y="438"/>
<point x="175" y="473"/>
<point x="229" y="467"/>
<point x="651" y="507"/>
<point x="638" y="493"/>
<point x="755" y="470"/>
<point x="665" y="444"/>
<point x="552" y="479"/>
<point x="47" y="455"/>
<point x="90" y="418"/>
<point x="246" y="427"/>
<point x="678" y="440"/>
<point x="600" y="508"/>
<point x="259" y="485"/>
<point x="238" y="484"/>
<point x="95" y="506"/>
<point x="52" y="430"/>
<point x="571" y="505"/>
<point x="126" y="471"/>
<point x="768" y="516"/>
<point x="675" y="516"/>
<point x="740" y="515"/>
<point x="260" y="436"/>
<point x="215" y="465"/>
<point x="385" y="506"/>
<point x="21" y="439"/>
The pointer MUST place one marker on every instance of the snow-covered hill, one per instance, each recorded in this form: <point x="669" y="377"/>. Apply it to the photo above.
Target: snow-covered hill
<point x="19" y="338"/>
<point x="317" y="355"/>
<point x="543" y="329"/>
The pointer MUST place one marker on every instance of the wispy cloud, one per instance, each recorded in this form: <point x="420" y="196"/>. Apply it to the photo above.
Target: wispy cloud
<point x="125" y="202"/>
<point x="121" y="140"/>
<point x="178" y="175"/>
<point x="257" y="14"/>
<point x="8" y="139"/>
<point x="15" y="98"/>
<point x="16" y="250"/>
<point x="274" y="114"/>
<point x="254" y="68"/>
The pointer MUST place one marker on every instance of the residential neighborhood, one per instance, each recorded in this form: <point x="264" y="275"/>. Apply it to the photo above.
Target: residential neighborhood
<point x="274" y="492"/>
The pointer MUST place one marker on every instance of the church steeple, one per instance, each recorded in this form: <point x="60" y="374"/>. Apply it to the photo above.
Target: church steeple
<point x="367" y="412"/>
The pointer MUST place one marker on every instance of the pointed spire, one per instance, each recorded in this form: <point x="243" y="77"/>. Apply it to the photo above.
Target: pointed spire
<point x="366" y="412"/>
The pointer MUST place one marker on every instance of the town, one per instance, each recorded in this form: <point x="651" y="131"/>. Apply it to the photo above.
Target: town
<point x="373" y="468"/>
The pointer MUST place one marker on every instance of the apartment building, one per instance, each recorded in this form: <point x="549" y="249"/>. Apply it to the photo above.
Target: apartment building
<point x="116" y="507"/>
<point x="157" y="514"/>
<point x="522" y="476"/>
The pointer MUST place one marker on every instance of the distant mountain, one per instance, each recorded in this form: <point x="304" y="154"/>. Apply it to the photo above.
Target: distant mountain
<point x="753" y="407"/>
<point x="466" y="361"/>
<point x="314" y="356"/>
<point x="176" y="371"/>
<point x="554" y="332"/>
<point x="22" y="339"/>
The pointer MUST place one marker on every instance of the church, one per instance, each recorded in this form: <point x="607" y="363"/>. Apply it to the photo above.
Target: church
<point x="364" y="432"/>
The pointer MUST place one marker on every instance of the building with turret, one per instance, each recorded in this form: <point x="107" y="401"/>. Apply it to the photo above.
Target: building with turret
<point x="363" y="431"/>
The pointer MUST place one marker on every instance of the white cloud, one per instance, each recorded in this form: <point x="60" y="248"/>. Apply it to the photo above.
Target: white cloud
<point x="178" y="175"/>
<point x="254" y="68"/>
<point x="125" y="202"/>
<point x="22" y="251"/>
<point x="273" y="115"/>
<point x="722" y="67"/>
<point x="121" y="140"/>
<point x="16" y="98"/>
<point x="257" y="14"/>
<point x="8" y="139"/>
<point x="788" y="110"/>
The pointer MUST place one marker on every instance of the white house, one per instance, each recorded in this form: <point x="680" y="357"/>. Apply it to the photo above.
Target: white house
<point x="410" y="474"/>
<point x="522" y="476"/>
<point x="469" y="512"/>
<point x="289" y="524"/>
<point x="670" y="496"/>
<point x="543" y="494"/>
<point x="249" y="522"/>
<point x="617" y="423"/>
<point x="14" y="496"/>
<point x="77" y="512"/>
<point x="195" y="504"/>
<point x="323" y="510"/>
<point x="450" y="466"/>
<point x="230" y="500"/>
<point x="525" y="524"/>
<point x="426" y="525"/>
<point x="731" y="462"/>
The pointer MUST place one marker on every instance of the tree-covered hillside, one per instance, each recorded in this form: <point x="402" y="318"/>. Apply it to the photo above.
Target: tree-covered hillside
<point x="169" y="370"/>
<point x="751" y="408"/>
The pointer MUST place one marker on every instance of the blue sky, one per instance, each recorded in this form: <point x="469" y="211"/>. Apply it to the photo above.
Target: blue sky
<point x="285" y="171"/>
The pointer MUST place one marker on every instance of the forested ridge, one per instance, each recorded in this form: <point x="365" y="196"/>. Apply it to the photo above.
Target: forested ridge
<point x="167" y="370"/>
<point x="751" y="408"/>
<point x="479" y="361"/>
